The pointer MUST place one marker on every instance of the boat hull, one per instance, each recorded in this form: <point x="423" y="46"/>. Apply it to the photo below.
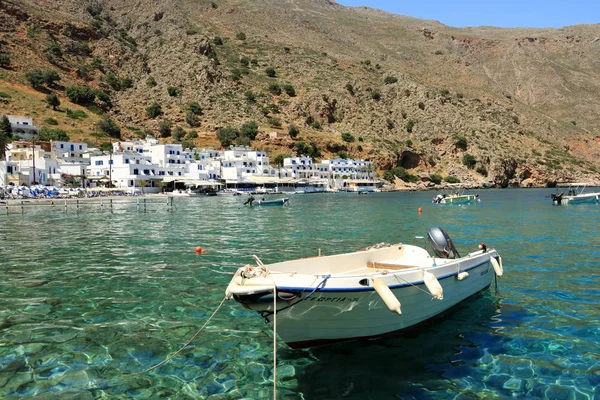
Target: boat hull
<point x="266" y="203"/>
<point x="332" y="313"/>
<point x="591" y="198"/>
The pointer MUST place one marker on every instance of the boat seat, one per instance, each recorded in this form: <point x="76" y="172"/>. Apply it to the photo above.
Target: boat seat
<point x="387" y="265"/>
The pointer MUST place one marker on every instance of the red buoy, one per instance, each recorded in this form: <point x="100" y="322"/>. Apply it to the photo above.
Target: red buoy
<point x="420" y="210"/>
<point x="199" y="250"/>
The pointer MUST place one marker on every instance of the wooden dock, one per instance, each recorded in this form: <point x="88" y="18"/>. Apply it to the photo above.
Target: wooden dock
<point x="86" y="204"/>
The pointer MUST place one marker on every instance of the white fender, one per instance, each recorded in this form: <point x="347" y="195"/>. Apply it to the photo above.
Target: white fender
<point x="433" y="285"/>
<point x="497" y="266"/>
<point x="462" y="275"/>
<point x="386" y="295"/>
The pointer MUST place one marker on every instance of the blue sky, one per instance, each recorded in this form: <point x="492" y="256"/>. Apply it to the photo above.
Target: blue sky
<point x="501" y="13"/>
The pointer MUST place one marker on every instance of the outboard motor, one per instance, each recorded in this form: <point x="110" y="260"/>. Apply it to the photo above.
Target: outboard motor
<point x="441" y="243"/>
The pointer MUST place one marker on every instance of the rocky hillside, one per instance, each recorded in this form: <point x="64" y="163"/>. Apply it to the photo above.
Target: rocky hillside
<point x="486" y="106"/>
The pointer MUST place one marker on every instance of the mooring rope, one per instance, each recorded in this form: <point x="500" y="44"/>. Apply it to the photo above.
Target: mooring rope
<point x="274" y="339"/>
<point x="166" y="360"/>
<point x="398" y="278"/>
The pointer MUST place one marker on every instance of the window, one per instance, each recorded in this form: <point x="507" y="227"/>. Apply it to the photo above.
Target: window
<point x="80" y="147"/>
<point x="136" y="171"/>
<point x="127" y="161"/>
<point x="99" y="162"/>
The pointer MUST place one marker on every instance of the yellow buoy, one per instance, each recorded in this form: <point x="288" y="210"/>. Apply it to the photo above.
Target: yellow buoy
<point x="386" y="295"/>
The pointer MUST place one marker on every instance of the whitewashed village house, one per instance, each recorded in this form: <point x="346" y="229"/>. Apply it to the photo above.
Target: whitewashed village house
<point x="23" y="127"/>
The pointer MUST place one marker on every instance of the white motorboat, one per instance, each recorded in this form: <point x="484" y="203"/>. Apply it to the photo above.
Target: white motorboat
<point x="184" y="193"/>
<point x="576" y="196"/>
<point x="370" y="293"/>
<point x="455" y="198"/>
<point x="252" y="202"/>
<point x="229" y="192"/>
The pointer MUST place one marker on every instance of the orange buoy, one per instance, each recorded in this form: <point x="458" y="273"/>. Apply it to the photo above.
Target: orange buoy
<point x="420" y="210"/>
<point x="200" y="250"/>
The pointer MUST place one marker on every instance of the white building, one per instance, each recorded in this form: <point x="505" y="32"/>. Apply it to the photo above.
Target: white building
<point x="28" y="164"/>
<point x="241" y="163"/>
<point x="23" y="127"/>
<point x="126" y="170"/>
<point x="300" y="168"/>
<point x="71" y="152"/>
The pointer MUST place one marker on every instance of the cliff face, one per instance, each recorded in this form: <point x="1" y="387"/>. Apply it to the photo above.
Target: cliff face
<point x="486" y="105"/>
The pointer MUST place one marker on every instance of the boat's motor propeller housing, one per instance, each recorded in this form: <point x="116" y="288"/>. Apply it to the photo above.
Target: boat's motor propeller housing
<point x="441" y="243"/>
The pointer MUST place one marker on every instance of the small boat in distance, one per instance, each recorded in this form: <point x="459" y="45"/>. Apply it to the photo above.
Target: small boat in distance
<point x="229" y="192"/>
<point x="252" y="202"/>
<point x="370" y="293"/>
<point x="576" y="196"/>
<point x="455" y="198"/>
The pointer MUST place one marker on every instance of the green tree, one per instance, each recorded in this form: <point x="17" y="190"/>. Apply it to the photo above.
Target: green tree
<point x="240" y="36"/>
<point x="174" y="91"/>
<point x="347" y="137"/>
<point x="192" y="135"/>
<point x="80" y="94"/>
<point x="271" y="73"/>
<point x="150" y="81"/>
<point x="227" y="136"/>
<point x="113" y="81"/>
<point x="289" y="90"/>
<point x="108" y="126"/>
<point x="194" y="107"/>
<point x="4" y="60"/>
<point x="293" y="131"/>
<point x="178" y="133"/>
<point x="389" y="123"/>
<point x="410" y="125"/>
<point x="469" y="160"/>
<point x="460" y="142"/>
<point x="164" y="128"/>
<point x="278" y="160"/>
<point x="249" y="129"/>
<point x="35" y="78"/>
<point x="154" y="110"/>
<point x="435" y="178"/>
<point x="390" y="79"/>
<point x="244" y="61"/>
<point x="5" y="133"/>
<point x="47" y="134"/>
<point x="50" y="77"/>
<point x="275" y="89"/>
<point x="350" y="88"/>
<point x="375" y="95"/>
<point x="421" y="105"/>
<point x="218" y="41"/>
<point x="192" y="119"/>
<point x="250" y="96"/>
<point x="451" y="179"/>
<point x="399" y="172"/>
<point x="104" y="98"/>
<point x="52" y="100"/>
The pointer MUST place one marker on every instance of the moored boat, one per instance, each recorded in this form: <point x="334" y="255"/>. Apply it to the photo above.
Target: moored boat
<point x="370" y="293"/>
<point x="252" y="202"/>
<point x="576" y="196"/>
<point x="455" y="198"/>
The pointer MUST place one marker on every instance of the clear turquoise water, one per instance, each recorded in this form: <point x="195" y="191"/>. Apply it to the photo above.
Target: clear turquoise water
<point x="87" y="300"/>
